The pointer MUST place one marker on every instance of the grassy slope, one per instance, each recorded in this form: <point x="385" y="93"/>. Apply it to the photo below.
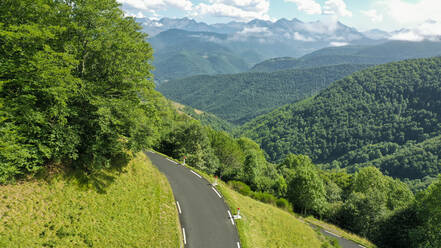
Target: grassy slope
<point x="136" y="210"/>
<point x="266" y="226"/>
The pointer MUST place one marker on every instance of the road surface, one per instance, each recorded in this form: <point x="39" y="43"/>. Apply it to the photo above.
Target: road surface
<point x="205" y="217"/>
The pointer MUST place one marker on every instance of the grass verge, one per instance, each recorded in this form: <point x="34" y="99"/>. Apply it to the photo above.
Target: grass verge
<point x="136" y="210"/>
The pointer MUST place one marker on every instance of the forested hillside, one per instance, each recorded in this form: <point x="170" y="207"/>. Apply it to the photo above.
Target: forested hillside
<point x="180" y="53"/>
<point x="382" y="116"/>
<point x="240" y="97"/>
<point x="375" y="54"/>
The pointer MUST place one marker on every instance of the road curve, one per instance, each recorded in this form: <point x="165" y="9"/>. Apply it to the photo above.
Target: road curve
<point x="344" y="243"/>
<point x="203" y="213"/>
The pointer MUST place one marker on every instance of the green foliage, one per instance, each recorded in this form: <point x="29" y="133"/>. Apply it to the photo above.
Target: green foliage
<point x="208" y="119"/>
<point x="240" y="97"/>
<point x="190" y="140"/>
<point x="240" y="187"/>
<point x="306" y="190"/>
<point x="182" y="53"/>
<point x="384" y="116"/>
<point x="75" y="86"/>
<point x="282" y="203"/>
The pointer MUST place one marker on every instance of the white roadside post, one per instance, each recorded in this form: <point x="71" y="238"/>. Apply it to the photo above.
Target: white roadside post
<point x="237" y="216"/>
<point x="184" y="160"/>
<point x="215" y="181"/>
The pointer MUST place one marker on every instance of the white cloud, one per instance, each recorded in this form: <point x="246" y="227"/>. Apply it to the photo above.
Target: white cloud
<point x="137" y="15"/>
<point x="257" y="32"/>
<point x="430" y="30"/>
<point x="328" y="25"/>
<point x="373" y="15"/>
<point x="300" y="37"/>
<point x="236" y="9"/>
<point x="158" y="4"/>
<point x="338" y="44"/>
<point x="310" y="7"/>
<point x="337" y="8"/>
<point x="408" y="14"/>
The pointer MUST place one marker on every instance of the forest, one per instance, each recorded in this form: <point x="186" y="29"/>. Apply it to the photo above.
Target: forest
<point x="372" y="117"/>
<point x="238" y="98"/>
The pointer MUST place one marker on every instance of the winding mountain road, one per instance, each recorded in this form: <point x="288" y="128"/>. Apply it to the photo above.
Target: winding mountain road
<point x="205" y="218"/>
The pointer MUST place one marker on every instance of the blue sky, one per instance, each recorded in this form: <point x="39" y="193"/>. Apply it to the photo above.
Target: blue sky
<point x="388" y="15"/>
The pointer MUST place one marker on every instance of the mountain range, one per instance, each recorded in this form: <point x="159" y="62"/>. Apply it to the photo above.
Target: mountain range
<point x="184" y="47"/>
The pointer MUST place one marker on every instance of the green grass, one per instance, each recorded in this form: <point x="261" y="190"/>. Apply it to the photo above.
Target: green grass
<point x="263" y="225"/>
<point x="266" y="226"/>
<point x="135" y="210"/>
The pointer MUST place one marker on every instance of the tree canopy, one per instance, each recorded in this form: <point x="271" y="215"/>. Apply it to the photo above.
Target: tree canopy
<point x="75" y="85"/>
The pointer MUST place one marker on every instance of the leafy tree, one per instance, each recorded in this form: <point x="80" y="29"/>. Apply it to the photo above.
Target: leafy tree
<point x="428" y="233"/>
<point x="76" y="86"/>
<point x="306" y="190"/>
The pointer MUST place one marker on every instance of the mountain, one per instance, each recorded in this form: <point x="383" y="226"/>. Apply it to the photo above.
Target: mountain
<point x="372" y="117"/>
<point x="240" y="97"/>
<point x="375" y="54"/>
<point x="180" y="53"/>
<point x="184" y="47"/>
<point x="377" y="34"/>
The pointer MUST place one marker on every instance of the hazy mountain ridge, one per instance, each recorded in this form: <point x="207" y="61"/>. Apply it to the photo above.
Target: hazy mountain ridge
<point x="375" y="54"/>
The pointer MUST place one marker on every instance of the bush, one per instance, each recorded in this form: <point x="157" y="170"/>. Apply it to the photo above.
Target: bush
<point x="264" y="197"/>
<point x="282" y="203"/>
<point x="240" y="187"/>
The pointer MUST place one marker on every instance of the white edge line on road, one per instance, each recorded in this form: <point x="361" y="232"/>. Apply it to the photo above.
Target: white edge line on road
<point x="196" y="174"/>
<point x="179" y="207"/>
<point x="231" y="217"/>
<point x="361" y="246"/>
<point x="183" y="233"/>
<point x="238" y="245"/>
<point x="332" y="233"/>
<point x="216" y="192"/>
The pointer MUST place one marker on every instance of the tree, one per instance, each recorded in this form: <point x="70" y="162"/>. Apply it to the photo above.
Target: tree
<point x="428" y="233"/>
<point x="76" y="85"/>
<point x="306" y="190"/>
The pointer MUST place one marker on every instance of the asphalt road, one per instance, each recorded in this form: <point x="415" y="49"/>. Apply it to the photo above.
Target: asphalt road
<point x="341" y="241"/>
<point x="204" y="215"/>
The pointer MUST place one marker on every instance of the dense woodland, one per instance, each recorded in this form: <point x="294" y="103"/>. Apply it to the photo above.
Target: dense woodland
<point x="77" y="92"/>
<point x="240" y="97"/>
<point x="372" y="117"/>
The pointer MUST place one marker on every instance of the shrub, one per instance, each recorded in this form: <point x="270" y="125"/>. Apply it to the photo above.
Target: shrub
<point x="282" y="203"/>
<point x="240" y="187"/>
<point x="264" y="197"/>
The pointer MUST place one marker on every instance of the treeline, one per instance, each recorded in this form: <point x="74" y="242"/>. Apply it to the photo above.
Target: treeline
<point x="367" y="203"/>
<point x="387" y="116"/>
<point x="75" y="87"/>
<point x="238" y="98"/>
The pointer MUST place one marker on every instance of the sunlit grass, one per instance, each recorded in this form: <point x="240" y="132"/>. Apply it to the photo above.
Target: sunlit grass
<point x="136" y="210"/>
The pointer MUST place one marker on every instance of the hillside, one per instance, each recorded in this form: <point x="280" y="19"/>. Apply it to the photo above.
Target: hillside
<point x="240" y="97"/>
<point x="389" y="106"/>
<point x="180" y="53"/>
<point x="374" y="54"/>
<point x="132" y="208"/>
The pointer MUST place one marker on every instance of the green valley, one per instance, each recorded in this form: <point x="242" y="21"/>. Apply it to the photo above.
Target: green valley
<point x="374" y="115"/>
<point x="241" y="97"/>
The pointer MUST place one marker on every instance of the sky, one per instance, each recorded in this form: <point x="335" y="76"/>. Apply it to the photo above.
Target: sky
<point x="424" y="16"/>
